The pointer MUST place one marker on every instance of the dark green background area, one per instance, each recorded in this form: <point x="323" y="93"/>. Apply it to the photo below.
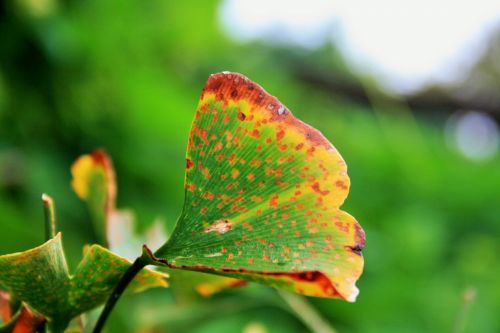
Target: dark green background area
<point x="127" y="75"/>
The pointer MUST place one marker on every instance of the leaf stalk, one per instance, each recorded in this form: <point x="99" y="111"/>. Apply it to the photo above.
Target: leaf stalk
<point x="50" y="216"/>
<point x="125" y="280"/>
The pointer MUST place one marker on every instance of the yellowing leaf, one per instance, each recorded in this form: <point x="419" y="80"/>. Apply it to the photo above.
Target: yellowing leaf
<point x="263" y="192"/>
<point x="94" y="182"/>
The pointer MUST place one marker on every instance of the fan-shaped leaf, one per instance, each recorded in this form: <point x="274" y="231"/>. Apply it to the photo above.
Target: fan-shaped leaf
<point x="263" y="192"/>
<point x="94" y="181"/>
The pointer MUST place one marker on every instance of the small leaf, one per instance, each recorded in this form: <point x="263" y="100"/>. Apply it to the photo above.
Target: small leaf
<point x="263" y="192"/>
<point x="97" y="275"/>
<point x="94" y="182"/>
<point x="5" y="310"/>
<point x="27" y="321"/>
<point x="40" y="277"/>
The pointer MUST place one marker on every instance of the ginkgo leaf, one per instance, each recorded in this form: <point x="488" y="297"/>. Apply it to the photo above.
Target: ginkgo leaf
<point x="5" y="307"/>
<point x="40" y="278"/>
<point x="94" y="181"/>
<point x="262" y="198"/>
<point x="24" y="321"/>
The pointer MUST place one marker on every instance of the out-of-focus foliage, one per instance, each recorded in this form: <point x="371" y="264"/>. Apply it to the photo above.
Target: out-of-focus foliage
<point x="126" y="76"/>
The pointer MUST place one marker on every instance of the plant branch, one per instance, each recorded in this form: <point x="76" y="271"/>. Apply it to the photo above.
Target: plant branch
<point x="125" y="280"/>
<point x="468" y="299"/>
<point x="306" y="313"/>
<point x="50" y="216"/>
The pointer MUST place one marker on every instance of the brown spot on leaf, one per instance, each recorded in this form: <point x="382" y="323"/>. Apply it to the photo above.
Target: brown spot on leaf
<point x="316" y="189"/>
<point x="202" y="134"/>
<point x="241" y="116"/>
<point x="220" y="227"/>
<point x="280" y="135"/>
<point x="359" y="239"/>
<point x="189" y="163"/>
<point x="273" y="201"/>
<point x="218" y="146"/>
<point x="256" y="198"/>
<point x="255" y="162"/>
<point x="208" y="196"/>
<point x="355" y="249"/>
<point x="341" y="184"/>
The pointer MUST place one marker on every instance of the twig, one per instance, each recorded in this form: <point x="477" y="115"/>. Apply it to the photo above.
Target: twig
<point x="125" y="280"/>
<point x="307" y="313"/>
<point x="468" y="299"/>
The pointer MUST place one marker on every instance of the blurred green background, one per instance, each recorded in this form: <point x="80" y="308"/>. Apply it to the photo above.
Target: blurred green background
<point x="126" y="76"/>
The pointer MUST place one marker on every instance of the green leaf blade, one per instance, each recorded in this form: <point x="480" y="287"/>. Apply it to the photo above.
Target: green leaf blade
<point x="38" y="277"/>
<point x="94" y="182"/>
<point x="97" y="275"/>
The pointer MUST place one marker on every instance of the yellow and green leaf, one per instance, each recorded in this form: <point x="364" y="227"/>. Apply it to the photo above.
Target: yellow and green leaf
<point x="94" y="181"/>
<point x="262" y="197"/>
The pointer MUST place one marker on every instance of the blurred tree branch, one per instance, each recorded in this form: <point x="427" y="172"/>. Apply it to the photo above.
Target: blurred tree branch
<point x="430" y="100"/>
